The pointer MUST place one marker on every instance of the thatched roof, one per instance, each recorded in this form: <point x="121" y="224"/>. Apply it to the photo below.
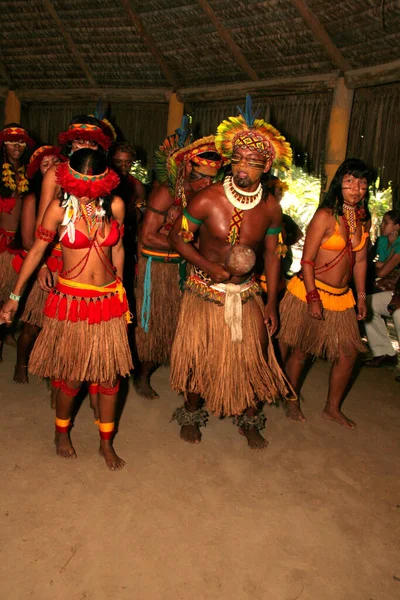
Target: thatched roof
<point x="176" y="44"/>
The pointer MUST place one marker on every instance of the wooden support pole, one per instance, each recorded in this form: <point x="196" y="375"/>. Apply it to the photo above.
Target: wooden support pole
<point x="338" y="131"/>
<point x="12" y="108"/>
<point x="175" y="114"/>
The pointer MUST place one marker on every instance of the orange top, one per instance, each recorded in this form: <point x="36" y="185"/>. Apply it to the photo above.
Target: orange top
<point x="337" y="243"/>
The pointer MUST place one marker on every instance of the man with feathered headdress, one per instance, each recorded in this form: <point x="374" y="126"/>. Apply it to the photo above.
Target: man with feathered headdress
<point x="222" y="353"/>
<point x="182" y="170"/>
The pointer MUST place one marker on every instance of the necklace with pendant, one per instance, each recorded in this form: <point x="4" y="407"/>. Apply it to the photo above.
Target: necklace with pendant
<point x="240" y="199"/>
<point x="90" y="217"/>
<point x="349" y="213"/>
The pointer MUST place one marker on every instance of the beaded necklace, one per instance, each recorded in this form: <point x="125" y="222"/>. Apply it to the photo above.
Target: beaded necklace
<point x="349" y="213"/>
<point x="240" y="199"/>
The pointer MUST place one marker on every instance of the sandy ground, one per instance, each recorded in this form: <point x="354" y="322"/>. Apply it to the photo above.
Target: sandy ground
<point x="314" y="517"/>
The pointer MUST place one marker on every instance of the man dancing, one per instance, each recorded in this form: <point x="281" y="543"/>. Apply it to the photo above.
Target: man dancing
<point x="222" y="353"/>
<point x="161" y="272"/>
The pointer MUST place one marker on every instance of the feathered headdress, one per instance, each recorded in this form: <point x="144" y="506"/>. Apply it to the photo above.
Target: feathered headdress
<point x="273" y="183"/>
<point x="246" y="131"/>
<point x="16" y="134"/>
<point x="85" y="131"/>
<point x="192" y="153"/>
<point x="88" y="186"/>
<point x="38" y="156"/>
<point x="107" y="126"/>
<point x="171" y="144"/>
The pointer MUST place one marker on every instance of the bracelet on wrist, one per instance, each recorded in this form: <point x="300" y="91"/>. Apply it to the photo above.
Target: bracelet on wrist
<point x="307" y="262"/>
<point x="44" y="266"/>
<point x="14" y="297"/>
<point x="361" y="296"/>
<point x="313" y="296"/>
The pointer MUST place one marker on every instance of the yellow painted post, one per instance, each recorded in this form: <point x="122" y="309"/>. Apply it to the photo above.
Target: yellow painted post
<point x="175" y="113"/>
<point x="338" y="131"/>
<point x="12" y="108"/>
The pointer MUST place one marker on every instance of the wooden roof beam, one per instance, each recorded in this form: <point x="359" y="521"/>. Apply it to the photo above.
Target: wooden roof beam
<point x="229" y="41"/>
<point x="285" y="85"/>
<point x="322" y="36"/>
<point x="150" y="44"/>
<point x="93" y="94"/>
<point x="373" y="75"/>
<point x="70" y="42"/>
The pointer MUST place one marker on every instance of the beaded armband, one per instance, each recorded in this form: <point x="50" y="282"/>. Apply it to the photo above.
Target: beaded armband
<point x="47" y="235"/>
<point x="313" y="296"/>
<point x="156" y="211"/>
<point x="192" y="219"/>
<point x="307" y="262"/>
<point x="185" y="232"/>
<point x="361" y="296"/>
<point x="274" y="230"/>
<point x="122" y="231"/>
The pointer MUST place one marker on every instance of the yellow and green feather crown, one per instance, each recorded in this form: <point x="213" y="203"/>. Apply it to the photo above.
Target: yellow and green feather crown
<point x="247" y="131"/>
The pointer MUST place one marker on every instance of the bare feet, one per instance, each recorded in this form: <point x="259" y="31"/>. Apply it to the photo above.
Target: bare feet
<point x="64" y="447"/>
<point x="254" y="438"/>
<point x="293" y="411"/>
<point x="20" y="374"/>
<point x="191" y="434"/>
<point x="144" y="389"/>
<point x="336" y="415"/>
<point x="113" y="461"/>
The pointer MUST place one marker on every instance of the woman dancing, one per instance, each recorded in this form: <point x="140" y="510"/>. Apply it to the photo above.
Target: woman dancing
<point x="40" y="162"/>
<point x="317" y="313"/>
<point x="84" y="332"/>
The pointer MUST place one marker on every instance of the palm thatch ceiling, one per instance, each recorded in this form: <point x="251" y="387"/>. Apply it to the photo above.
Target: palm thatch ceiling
<point x="130" y="49"/>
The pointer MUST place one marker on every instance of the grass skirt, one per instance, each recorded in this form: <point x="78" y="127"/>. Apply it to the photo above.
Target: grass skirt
<point x="155" y="345"/>
<point x="35" y="303"/>
<point x="81" y="339"/>
<point x="8" y="275"/>
<point x="337" y="331"/>
<point x="230" y="377"/>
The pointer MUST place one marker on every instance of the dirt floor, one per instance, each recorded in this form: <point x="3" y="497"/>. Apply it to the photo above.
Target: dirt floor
<point x="314" y="517"/>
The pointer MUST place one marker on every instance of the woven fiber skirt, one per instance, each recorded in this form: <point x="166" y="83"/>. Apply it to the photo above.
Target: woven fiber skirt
<point x="157" y="284"/>
<point x="35" y="303"/>
<point x="229" y="376"/>
<point x="324" y="338"/>
<point x="84" y="335"/>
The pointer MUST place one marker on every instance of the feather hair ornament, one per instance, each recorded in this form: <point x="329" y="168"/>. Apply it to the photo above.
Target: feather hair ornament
<point x="172" y="143"/>
<point x="72" y="212"/>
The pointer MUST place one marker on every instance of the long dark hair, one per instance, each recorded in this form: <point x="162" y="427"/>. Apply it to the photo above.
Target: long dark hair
<point x="334" y="197"/>
<point x="91" y="162"/>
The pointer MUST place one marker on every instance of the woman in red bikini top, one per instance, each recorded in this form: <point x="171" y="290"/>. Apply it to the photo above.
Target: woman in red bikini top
<point x="84" y="337"/>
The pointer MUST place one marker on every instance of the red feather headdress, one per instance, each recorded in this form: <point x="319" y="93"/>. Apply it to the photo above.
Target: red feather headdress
<point x="83" y="131"/>
<point x="16" y="134"/>
<point x="38" y="156"/>
<point x="86" y="186"/>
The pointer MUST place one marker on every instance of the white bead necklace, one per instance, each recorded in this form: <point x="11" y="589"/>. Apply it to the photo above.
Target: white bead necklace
<point x="240" y="199"/>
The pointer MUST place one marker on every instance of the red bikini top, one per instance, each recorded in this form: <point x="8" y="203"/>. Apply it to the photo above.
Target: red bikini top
<point x="81" y="241"/>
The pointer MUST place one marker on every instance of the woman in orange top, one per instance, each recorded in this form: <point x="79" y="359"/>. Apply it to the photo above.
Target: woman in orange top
<point x="317" y="313"/>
